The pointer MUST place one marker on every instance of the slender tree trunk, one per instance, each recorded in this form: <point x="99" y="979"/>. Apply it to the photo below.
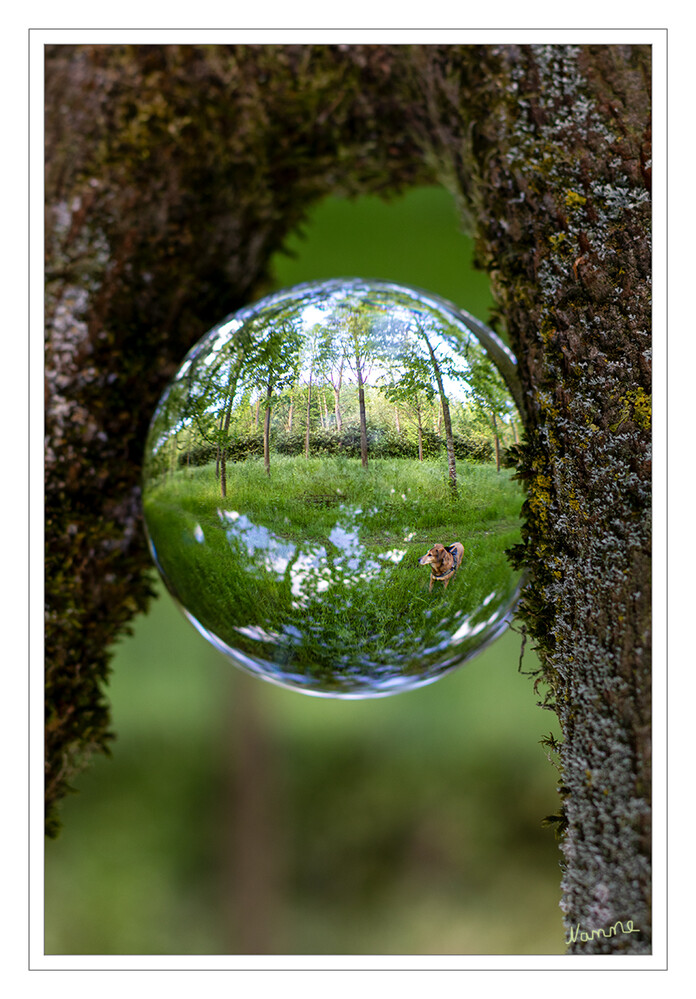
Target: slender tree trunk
<point x="449" y="436"/>
<point x="267" y="430"/>
<point x="420" y="434"/>
<point x="337" y="409"/>
<point x="223" y="473"/>
<point x="252" y="828"/>
<point x="497" y="442"/>
<point x="309" y="403"/>
<point x="337" y="399"/>
<point x="218" y="445"/>
<point x="363" y="416"/>
<point x="222" y="444"/>
<point x="290" y="412"/>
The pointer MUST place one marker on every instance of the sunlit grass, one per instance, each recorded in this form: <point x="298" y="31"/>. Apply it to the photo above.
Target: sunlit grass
<point x="307" y="491"/>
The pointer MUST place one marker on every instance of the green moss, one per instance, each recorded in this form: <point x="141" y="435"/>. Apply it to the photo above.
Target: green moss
<point x="174" y="173"/>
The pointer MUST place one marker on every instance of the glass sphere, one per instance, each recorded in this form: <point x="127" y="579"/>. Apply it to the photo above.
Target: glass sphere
<point x="322" y="491"/>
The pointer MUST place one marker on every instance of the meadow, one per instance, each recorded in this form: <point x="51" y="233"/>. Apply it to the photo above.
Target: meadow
<point x="310" y="576"/>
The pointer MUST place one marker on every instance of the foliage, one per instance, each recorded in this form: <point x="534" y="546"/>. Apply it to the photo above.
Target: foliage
<point x="383" y="442"/>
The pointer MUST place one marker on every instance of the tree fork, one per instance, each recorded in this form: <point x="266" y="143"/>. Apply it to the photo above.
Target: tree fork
<point x="159" y="221"/>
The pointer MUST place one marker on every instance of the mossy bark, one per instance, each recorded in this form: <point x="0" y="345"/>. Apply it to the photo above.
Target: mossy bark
<point x="173" y="174"/>
<point x="560" y="179"/>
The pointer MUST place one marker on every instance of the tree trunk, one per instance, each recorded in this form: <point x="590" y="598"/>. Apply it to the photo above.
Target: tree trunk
<point x="337" y="399"/>
<point x="363" y="414"/>
<point x="267" y="430"/>
<point x="309" y="403"/>
<point x="154" y="231"/>
<point x="252" y="827"/>
<point x="222" y="445"/>
<point x="337" y="409"/>
<point x="218" y="448"/>
<point x="449" y="436"/>
<point x="561" y="152"/>
<point x="420" y="434"/>
<point x="494" y="423"/>
<point x="223" y="473"/>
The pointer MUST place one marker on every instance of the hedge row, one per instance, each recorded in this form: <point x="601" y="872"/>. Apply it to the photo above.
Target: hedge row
<point x="381" y="443"/>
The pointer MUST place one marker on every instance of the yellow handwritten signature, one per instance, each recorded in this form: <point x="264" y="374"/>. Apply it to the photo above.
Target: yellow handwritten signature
<point x="577" y="934"/>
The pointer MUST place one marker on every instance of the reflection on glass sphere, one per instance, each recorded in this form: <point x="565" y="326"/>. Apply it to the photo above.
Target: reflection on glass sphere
<point x="321" y="490"/>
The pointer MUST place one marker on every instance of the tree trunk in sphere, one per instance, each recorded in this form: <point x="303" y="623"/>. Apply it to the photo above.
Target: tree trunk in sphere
<point x="497" y="442"/>
<point x="337" y="409"/>
<point x="173" y="173"/>
<point x="445" y="410"/>
<point x="363" y="413"/>
<point x="267" y="430"/>
<point x="309" y="404"/>
<point x="221" y="463"/>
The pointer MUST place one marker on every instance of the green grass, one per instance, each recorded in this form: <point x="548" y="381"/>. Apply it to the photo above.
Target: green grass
<point x="308" y="491"/>
<point x="317" y="564"/>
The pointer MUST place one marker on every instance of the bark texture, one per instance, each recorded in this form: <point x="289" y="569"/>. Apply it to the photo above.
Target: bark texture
<point x="173" y="173"/>
<point x="560" y="181"/>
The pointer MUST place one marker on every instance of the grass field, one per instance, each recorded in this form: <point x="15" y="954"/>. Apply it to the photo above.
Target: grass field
<point x="310" y="576"/>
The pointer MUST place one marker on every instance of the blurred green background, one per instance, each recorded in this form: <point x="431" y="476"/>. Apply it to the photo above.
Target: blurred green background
<point x="235" y="817"/>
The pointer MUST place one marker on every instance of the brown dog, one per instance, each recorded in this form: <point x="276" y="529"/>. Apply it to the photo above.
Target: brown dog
<point x="443" y="562"/>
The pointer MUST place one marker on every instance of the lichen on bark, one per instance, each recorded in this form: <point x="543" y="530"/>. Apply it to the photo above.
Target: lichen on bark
<point x="558" y="171"/>
<point x="175" y="172"/>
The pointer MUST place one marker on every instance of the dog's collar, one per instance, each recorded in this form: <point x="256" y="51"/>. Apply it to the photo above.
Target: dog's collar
<point x="453" y="552"/>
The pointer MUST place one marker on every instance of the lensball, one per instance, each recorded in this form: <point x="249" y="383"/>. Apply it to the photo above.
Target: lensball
<point x="323" y="489"/>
